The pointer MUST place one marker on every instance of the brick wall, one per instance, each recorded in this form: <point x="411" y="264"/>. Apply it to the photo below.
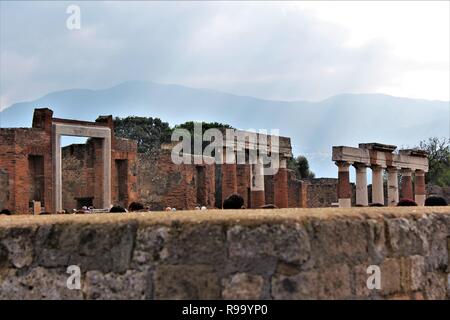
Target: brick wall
<point x="4" y="187"/>
<point x="161" y="183"/>
<point x="322" y="192"/>
<point x="16" y="147"/>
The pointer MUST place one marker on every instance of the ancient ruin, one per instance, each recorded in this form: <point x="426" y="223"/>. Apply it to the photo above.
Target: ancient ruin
<point x="380" y="157"/>
<point x="38" y="175"/>
<point x="31" y="160"/>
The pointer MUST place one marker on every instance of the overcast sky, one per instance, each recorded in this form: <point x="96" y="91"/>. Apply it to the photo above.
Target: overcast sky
<point x="274" y="50"/>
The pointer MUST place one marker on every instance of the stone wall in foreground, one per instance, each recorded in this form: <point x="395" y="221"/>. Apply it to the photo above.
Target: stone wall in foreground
<point x="245" y="254"/>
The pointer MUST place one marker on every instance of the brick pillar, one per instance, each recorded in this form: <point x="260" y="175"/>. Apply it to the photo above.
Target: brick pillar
<point x="243" y="181"/>
<point x="229" y="178"/>
<point x="280" y="188"/>
<point x="257" y="186"/>
<point x="361" y="185"/>
<point x="392" y="186"/>
<point x="42" y="119"/>
<point x="407" y="189"/>
<point x="343" y="187"/>
<point x="419" y="187"/>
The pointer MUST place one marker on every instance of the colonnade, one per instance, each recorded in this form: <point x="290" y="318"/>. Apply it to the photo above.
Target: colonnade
<point x="380" y="158"/>
<point x="406" y="190"/>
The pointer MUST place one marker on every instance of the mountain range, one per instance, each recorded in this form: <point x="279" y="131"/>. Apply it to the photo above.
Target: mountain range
<point x="314" y="127"/>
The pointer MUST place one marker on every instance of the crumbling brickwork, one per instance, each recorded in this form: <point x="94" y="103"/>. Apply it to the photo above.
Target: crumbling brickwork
<point x="298" y="192"/>
<point x="322" y="192"/>
<point x="18" y="148"/>
<point x="27" y="172"/>
<point x="162" y="183"/>
<point x="26" y="157"/>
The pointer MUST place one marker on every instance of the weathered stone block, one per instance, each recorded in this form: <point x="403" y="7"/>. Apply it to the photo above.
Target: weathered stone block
<point x="404" y="238"/>
<point x="413" y="273"/>
<point x="132" y="285"/>
<point x="390" y="277"/>
<point x="339" y="241"/>
<point x="334" y="283"/>
<point x="186" y="282"/>
<point x="196" y="244"/>
<point x="36" y="284"/>
<point x="243" y="286"/>
<point x="296" y="287"/>
<point x="376" y="243"/>
<point x="361" y="277"/>
<point x="288" y="243"/>
<point x="103" y="247"/>
<point x="434" y="229"/>
<point x="436" y="286"/>
<point x="149" y="247"/>
<point x="18" y="245"/>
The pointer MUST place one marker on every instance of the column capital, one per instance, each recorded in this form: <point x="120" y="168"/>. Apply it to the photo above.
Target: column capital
<point x="419" y="172"/>
<point x="406" y="171"/>
<point x="360" y="165"/>
<point x="376" y="167"/>
<point x="392" y="169"/>
<point x="343" y="165"/>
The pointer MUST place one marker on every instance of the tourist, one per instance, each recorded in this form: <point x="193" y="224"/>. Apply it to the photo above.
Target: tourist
<point x="406" y="203"/>
<point x="168" y="209"/>
<point x="5" y="212"/>
<point x="234" y="201"/>
<point x="117" y="209"/>
<point x="135" y="206"/>
<point x="435" y="201"/>
<point x="203" y="208"/>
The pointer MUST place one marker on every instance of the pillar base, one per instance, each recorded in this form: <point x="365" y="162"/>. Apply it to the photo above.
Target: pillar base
<point x="345" y="203"/>
<point x="420" y="199"/>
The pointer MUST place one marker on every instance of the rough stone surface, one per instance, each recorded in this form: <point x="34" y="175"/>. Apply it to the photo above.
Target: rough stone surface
<point x="186" y="282"/>
<point x="232" y="254"/>
<point x="130" y="285"/>
<point x="243" y="286"/>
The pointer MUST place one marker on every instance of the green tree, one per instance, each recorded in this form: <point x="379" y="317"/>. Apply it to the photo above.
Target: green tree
<point x="300" y="166"/>
<point x="189" y="125"/>
<point x="149" y="133"/>
<point x="439" y="160"/>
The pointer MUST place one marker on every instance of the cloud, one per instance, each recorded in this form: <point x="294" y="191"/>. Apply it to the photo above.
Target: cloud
<point x="267" y="50"/>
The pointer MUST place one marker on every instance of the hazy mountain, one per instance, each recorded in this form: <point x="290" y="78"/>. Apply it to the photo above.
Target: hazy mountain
<point x="314" y="127"/>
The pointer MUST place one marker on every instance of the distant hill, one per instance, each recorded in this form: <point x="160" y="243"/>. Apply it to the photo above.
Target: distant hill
<point x="314" y="127"/>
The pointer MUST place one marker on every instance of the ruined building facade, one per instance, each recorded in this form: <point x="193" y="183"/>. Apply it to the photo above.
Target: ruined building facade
<point x="36" y="171"/>
<point x="28" y="157"/>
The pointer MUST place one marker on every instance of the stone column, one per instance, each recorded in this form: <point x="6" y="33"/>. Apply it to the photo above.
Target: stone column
<point x="257" y="185"/>
<point x="361" y="185"/>
<point x="407" y="190"/>
<point x="343" y="188"/>
<point x="280" y="188"/>
<point x="377" y="185"/>
<point x="229" y="177"/>
<point x="419" y="187"/>
<point x="392" y="186"/>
